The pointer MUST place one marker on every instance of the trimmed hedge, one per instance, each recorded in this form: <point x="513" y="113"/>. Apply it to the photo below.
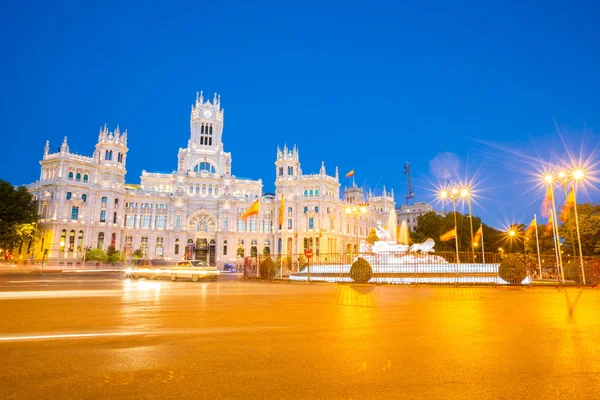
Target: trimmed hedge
<point x="573" y="271"/>
<point x="268" y="268"/>
<point x="512" y="270"/>
<point x="361" y="271"/>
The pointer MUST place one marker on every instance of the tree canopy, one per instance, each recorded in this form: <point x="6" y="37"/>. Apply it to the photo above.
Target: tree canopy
<point x="18" y="213"/>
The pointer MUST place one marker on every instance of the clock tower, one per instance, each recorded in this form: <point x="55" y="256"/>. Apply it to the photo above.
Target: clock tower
<point x="206" y="124"/>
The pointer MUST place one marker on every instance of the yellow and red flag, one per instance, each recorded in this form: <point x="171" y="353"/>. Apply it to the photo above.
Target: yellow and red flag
<point x="530" y="228"/>
<point x="547" y="203"/>
<point x="350" y="174"/>
<point x="451" y="234"/>
<point x="478" y="234"/>
<point x="569" y="203"/>
<point x="281" y="210"/>
<point x="253" y="210"/>
<point x="549" y="226"/>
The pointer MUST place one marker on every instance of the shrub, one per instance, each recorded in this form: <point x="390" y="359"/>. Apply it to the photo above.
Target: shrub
<point x="268" y="269"/>
<point x="115" y="257"/>
<point x="361" y="271"/>
<point x="96" y="255"/>
<point x="573" y="271"/>
<point x="138" y="254"/>
<point x="512" y="270"/>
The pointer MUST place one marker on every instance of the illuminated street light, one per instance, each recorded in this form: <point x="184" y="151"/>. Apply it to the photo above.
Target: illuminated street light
<point x="465" y="193"/>
<point x="453" y="196"/>
<point x="356" y="212"/>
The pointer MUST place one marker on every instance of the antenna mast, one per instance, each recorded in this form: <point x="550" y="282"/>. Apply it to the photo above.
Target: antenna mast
<point x="409" y="189"/>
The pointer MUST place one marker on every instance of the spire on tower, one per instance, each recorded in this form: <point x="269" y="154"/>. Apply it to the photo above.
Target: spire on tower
<point x="64" y="148"/>
<point x="337" y="173"/>
<point x="323" y="172"/>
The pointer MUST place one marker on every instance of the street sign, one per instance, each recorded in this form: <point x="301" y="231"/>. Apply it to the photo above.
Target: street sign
<point x="308" y="253"/>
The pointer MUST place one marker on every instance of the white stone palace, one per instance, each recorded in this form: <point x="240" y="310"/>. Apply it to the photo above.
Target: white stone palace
<point x="195" y="211"/>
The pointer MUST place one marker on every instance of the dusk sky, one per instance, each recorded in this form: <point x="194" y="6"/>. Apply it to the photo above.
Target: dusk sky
<point x="360" y="85"/>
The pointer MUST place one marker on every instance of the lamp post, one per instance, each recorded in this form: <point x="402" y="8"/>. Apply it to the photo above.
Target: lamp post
<point x="356" y="211"/>
<point x="465" y="193"/>
<point x="562" y="175"/>
<point x="549" y="181"/>
<point x="577" y="176"/>
<point x="511" y="235"/>
<point x="453" y="196"/>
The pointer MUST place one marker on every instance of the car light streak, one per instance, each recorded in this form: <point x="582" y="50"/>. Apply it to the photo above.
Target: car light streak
<point x="68" y="336"/>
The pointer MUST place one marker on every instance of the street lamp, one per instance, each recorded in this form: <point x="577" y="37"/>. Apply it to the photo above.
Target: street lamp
<point x="549" y="179"/>
<point x="452" y="195"/>
<point x="465" y="193"/>
<point x="577" y="176"/>
<point x="356" y="211"/>
<point x="511" y="235"/>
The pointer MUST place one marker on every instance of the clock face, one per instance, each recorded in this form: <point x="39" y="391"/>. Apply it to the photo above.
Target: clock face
<point x="207" y="113"/>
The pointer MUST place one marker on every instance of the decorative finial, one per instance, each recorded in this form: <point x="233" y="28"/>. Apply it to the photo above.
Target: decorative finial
<point x="47" y="148"/>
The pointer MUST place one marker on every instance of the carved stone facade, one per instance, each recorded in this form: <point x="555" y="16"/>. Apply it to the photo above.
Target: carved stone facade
<point x="195" y="211"/>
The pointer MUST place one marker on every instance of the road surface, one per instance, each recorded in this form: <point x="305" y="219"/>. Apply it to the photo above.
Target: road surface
<point x="86" y="336"/>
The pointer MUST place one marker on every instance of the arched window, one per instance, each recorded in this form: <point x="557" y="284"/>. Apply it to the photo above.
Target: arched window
<point x="68" y="195"/>
<point x="202" y="227"/>
<point x="305" y="193"/>
<point x="197" y="189"/>
<point x="100" y="240"/>
<point x="84" y="197"/>
<point x="63" y="238"/>
<point x="305" y="210"/>
<point x="74" y="213"/>
<point x="110" y="155"/>
<point x="289" y="210"/>
<point x="216" y="190"/>
<point x="316" y="209"/>
<point x="80" y="241"/>
<point x="316" y="192"/>
<point x="113" y="239"/>
<point x="191" y="189"/>
<point x="103" y="216"/>
<point x="210" y="190"/>
<point x="106" y="155"/>
<point x="203" y="189"/>
<point x="311" y="193"/>
<point x="71" y="241"/>
<point x="204" y="166"/>
<point x="104" y="199"/>
<point x="70" y="176"/>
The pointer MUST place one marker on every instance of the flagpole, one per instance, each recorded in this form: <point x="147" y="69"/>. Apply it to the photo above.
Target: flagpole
<point x="555" y="246"/>
<point x="482" y="247"/>
<point x="258" y="239"/>
<point x="537" y="242"/>
<point x="555" y="228"/>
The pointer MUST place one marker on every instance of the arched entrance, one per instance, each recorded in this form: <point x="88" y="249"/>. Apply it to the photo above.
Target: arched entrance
<point x="202" y="227"/>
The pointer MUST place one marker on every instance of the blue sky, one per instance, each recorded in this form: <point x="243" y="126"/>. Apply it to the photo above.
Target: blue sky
<point x="363" y="85"/>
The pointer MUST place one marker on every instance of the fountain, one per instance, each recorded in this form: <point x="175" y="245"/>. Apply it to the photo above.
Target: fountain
<point x="392" y="226"/>
<point x="401" y="264"/>
<point x="403" y="237"/>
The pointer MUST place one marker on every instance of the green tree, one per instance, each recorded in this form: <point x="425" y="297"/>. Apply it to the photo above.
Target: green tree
<point x="18" y="213"/>
<point x="589" y="229"/>
<point x="138" y="254"/>
<point x="113" y="255"/>
<point x="96" y="255"/>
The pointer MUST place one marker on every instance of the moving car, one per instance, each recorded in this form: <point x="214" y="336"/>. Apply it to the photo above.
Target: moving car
<point x="228" y="268"/>
<point x="195" y="270"/>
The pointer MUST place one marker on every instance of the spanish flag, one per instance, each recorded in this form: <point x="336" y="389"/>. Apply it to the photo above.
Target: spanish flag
<point x="547" y="203"/>
<point x="350" y="174"/>
<point x="530" y="228"/>
<point x="451" y="234"/>
<point x="253" y="210"/>
<point x="281" y="210"/>
<point x="549" y="226"/>
<point x="478" y="234"/>
<point x="569" y="203"/>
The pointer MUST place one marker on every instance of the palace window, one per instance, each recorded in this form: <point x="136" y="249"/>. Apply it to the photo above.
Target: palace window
<point x="71" y="241"/>
<point x="204" y="166"/>
<point x="158" y="248"/>
<point x="74" y="213"/>
<point x="178" y="222"/>
<point x="311" y="223"/>
<point x="84" y="197"/>
<point x="80" y="241"/>
<point x="226" y="223"/>
<point x="103" y="216"/>
<point x="225" y="247"/>
<point x="104" y="199"/>
<point x="240" y="249"/>
<point x="128" y="245"/>
<point x="176" y="246"/>
<point x="290" y="223"/>
<point x="280" y="171"/>
<point x="70" y="176"/>
<point x="144" y="246"/>
<point x="68" y="195"/>
<point x="100" y="240"/>
<point x="115" y="217"/>
<point x="63" y="237"/>
<point x="290" y="170"/>
<point x="85" y="178"/>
